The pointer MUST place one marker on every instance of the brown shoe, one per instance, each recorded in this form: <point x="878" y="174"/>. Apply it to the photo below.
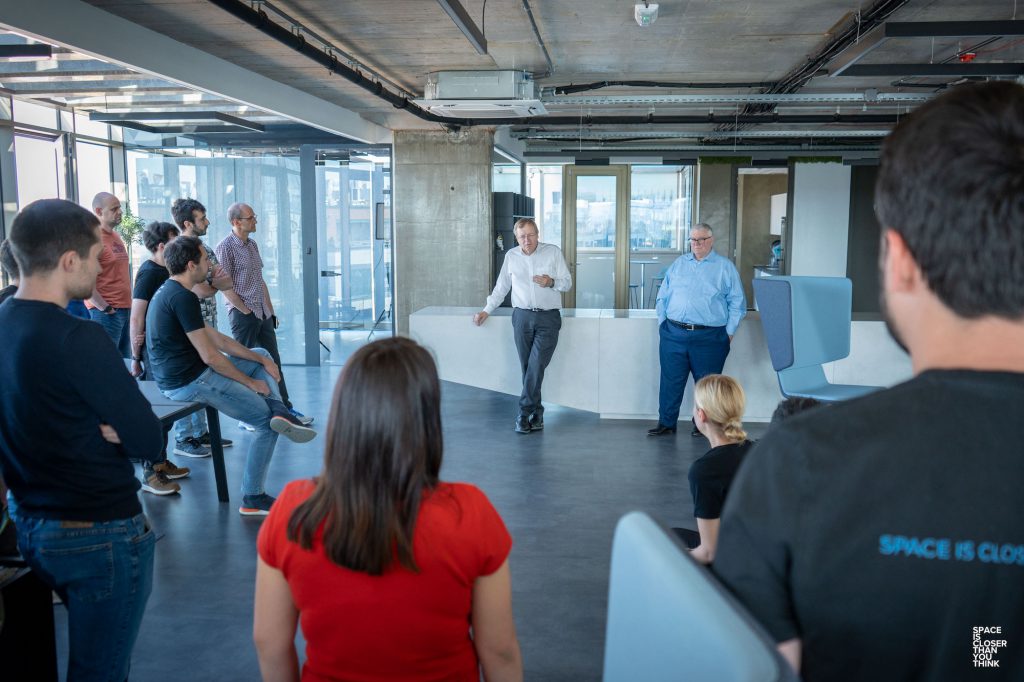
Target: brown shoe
<point x="171" y="470"/>
<point x="157" y="483"/>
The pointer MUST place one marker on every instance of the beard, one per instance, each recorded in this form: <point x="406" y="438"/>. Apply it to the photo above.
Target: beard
<point x="80" y="291"/>
<point x="890" y="325"/>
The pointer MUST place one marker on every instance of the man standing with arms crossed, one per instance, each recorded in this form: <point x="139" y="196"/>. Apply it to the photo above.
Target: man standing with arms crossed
<point x="71" y="420"/>
<point x="110" y="303"/>
<point x="537" y="275"/>
<point x="700" y="305"/>
<point x="253" y="322"/>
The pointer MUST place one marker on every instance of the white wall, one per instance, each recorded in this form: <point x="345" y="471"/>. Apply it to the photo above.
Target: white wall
<point x="821" y="219"/>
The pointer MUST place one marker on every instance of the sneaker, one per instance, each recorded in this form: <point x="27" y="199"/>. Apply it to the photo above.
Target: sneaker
<point x="156" y="483"/>
<point x="245" y="427"/>
<point x="191" y="447"/>
<point x="303" y="419"/>
<point x="536" y="421"/>
<point x="171" y="470"/>
<point x="224" y="442"/>
<point x="522" y="424"/>
<point x="291" y="428"/>
<point x="256" y="505"/>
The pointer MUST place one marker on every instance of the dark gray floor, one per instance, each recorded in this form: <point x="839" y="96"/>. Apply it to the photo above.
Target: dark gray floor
<point x="560" y="491"/>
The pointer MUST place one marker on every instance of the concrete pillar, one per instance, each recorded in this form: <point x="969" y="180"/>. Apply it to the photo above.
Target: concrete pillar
<point x="716" y="203"/>
<point x="442" y="209"/>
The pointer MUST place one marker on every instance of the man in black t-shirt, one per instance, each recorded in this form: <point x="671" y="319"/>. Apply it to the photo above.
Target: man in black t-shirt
<point x="194" y="362"/>
<point x="71" y="419"/>
<point x="882" y="538"/>
<point x="157" y="477"/>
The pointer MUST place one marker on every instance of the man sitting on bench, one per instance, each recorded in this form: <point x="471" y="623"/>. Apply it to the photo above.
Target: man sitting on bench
<point x="195" y="363"/>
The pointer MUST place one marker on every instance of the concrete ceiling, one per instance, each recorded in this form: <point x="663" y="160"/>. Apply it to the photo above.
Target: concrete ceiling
<point x="703" y="41"/>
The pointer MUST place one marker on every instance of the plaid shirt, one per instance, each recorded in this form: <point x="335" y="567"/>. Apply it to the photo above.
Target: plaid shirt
<point x="241" y="260"/>
<point x="209" y="304"/>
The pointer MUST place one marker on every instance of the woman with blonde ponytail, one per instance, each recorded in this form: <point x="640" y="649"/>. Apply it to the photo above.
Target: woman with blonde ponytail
<point x="718" y="413"/>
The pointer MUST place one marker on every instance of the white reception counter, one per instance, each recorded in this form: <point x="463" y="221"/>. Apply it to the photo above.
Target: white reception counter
<point x="607" y="360"/>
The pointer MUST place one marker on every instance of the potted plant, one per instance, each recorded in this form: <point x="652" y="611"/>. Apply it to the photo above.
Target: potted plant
<point x="130" y="229"/>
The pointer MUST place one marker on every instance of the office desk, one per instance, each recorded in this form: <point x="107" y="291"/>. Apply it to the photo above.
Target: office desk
<point x="169" y="411"/>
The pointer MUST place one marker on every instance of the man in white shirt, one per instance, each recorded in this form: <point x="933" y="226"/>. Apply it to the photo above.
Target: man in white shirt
<point x="537" y="275"/>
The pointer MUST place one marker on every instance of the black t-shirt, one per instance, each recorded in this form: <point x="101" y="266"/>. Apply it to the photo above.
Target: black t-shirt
<point x="884" y="530"/>
<point x="172" y="314"/>
<point x="712" y="474"/>
<point x="7" y="292"/>
<point x="148" y="279"/>
<point x="60" y="378"/>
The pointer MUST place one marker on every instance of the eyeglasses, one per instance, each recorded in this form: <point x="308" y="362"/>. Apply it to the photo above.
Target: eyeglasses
<point x="252" y="217"/>
<point x="699" y="240"/>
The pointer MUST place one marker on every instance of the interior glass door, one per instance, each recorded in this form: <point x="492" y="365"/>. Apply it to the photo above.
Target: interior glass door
<point x="595" y="240"/>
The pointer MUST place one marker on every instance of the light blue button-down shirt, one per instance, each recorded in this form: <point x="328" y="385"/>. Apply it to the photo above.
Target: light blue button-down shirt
<point x="707" y="292"/>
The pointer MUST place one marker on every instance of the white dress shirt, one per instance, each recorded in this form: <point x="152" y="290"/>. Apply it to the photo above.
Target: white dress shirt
<point x="517" y="273"/>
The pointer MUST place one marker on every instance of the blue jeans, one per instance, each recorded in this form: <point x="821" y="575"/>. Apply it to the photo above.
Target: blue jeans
<point x="116" y="326"/>
<point x="192" y="426"/>
<point x="103" y="572"/>
<point x="240" y="402"/>
<point x="682" y="352"/>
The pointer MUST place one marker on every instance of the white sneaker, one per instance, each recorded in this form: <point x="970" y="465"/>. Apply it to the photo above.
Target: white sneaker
<point x="246" y="427"/>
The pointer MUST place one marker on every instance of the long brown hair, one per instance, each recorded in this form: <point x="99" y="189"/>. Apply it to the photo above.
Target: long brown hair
<point x="384" y="450"/>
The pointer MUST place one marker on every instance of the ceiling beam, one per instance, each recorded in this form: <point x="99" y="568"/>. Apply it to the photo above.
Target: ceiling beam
<point x="953" y="70"/>
<point x="176" y="116"/>
<point x="26" y="51"/>
<point x="465" y="23"/>
<point x="877" y="36"/>
<point x="87" y="29"/>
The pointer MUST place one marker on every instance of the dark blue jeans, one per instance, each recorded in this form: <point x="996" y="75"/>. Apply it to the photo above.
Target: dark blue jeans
<point x="683" y="352"/>
<point x="103" y="571"/>
<point x="116" y="326"/>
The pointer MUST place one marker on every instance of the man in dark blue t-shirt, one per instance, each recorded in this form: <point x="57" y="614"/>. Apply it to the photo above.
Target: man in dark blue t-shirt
<point x="71" y="419"/>
<point x="193" y="362"/>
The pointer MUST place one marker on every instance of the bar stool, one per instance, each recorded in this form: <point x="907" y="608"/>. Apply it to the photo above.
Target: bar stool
<point x="655" y="285"/>
<point x="634" y="296"/>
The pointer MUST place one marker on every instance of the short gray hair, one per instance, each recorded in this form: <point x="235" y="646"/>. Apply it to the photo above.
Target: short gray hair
<point x="235" y="211"/>
<point x="703" y="226"/>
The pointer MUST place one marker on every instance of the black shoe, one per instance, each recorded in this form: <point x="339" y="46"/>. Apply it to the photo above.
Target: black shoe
<point x="536" y="421"/>
<point x="696" y="432"/>
<point x="661" y="430"/>
<point x="522" y="424"/>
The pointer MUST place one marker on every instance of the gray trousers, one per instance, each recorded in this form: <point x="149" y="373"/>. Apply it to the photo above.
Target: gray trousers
<point x="536" y="335"/>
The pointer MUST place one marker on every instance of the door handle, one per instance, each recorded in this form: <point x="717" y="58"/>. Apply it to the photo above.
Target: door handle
<point x="329" y="273"/>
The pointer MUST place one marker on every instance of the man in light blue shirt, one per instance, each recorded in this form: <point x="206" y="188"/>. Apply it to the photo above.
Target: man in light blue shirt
<point x="700" y="305"/>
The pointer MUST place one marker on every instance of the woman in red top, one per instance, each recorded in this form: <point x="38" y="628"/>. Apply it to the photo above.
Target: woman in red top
<point x="393" y="573"/>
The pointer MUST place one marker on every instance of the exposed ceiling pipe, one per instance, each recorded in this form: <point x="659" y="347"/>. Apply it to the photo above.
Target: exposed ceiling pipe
<point x="260" y="21"/>
<point x="540" y="41"/>
<point x="330" y="46"/>
<point x="584" y="87"/>
<point x="798" y="77"/>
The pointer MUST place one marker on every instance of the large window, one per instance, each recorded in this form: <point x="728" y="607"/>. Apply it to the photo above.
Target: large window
<point x="505" y="177"/>
<point x="93" y="171"/>
<point x="545" y="186"/>
<point x="659" y="207"/>
<point x="40" y="167"/>
<point x="268" y="183"/>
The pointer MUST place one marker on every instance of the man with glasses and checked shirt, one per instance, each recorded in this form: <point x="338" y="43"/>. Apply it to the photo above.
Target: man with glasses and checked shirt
<point x="700" y="305"/>
<point x="253" y="321"/>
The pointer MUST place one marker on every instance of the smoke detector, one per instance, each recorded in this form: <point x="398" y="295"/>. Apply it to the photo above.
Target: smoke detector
<point x="645" y="13"/>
